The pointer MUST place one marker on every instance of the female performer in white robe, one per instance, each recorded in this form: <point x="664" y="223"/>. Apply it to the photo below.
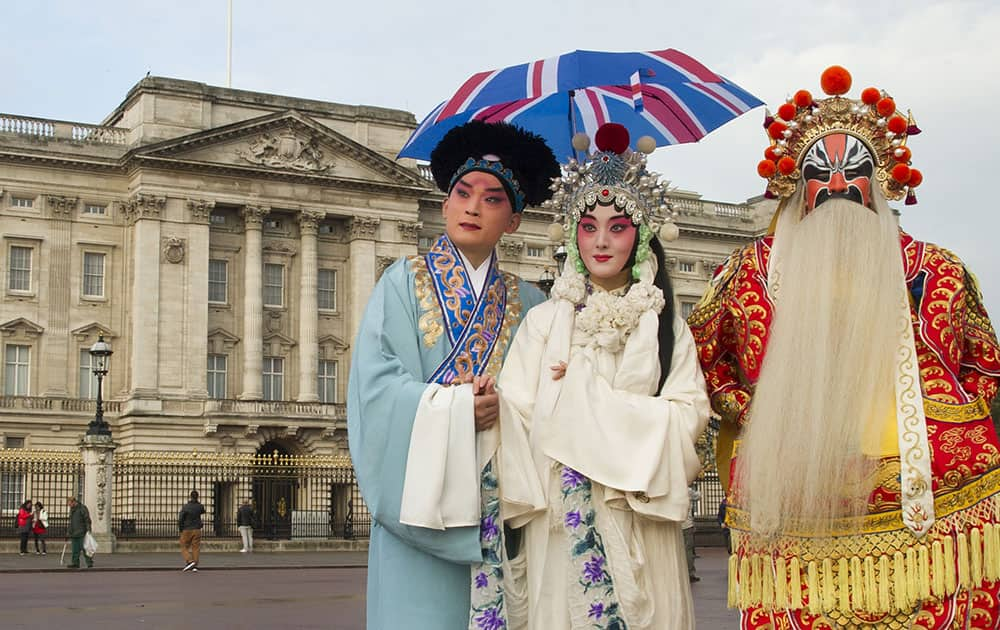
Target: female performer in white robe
<point x="602" y="400"/>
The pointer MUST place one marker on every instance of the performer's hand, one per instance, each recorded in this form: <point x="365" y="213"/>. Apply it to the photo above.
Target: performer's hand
<point x="558" y="371"/>
<point x="486" y="402"/>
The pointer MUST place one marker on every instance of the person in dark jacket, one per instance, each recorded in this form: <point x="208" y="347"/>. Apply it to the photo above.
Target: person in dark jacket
<point x="24" y="525"/>
<point x="189" y="523"/>
<point x="244" y="523"/>
<point x="79" y="525"/>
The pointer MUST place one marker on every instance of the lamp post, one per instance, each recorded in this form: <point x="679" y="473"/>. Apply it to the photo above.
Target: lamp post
<point x="546" y="280"/>
<point x="99" y="354"/>
<point x="560" y="257"/>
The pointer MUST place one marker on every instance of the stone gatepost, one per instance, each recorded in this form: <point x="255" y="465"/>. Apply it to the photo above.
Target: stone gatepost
<point x="98" y="472"/>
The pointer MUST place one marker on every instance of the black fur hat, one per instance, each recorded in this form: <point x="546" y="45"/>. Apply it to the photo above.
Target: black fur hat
<point x="526" y="165"/>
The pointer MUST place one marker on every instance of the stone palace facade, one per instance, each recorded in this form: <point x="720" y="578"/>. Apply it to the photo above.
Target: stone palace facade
<point x="225" y="243"/>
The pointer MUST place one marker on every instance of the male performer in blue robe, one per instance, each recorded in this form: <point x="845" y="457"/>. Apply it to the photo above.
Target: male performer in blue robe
<point x="421" y="404"/>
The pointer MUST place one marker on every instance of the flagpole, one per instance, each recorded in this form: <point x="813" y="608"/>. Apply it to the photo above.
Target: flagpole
<point x="229" y="46"/>
<point x="572" y="124"/>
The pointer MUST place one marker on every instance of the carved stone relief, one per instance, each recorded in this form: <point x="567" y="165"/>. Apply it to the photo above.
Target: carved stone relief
<point x="409" y="232"/>
<point x="143" y="207"/>
<point x="286" y="150"/>
<point x="364" y="227"/>
<point x="173" y="249"/>
<point x="200" y="210"/>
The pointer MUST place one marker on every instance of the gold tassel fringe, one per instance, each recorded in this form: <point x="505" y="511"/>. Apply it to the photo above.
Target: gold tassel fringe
<point x="877" y="583"/>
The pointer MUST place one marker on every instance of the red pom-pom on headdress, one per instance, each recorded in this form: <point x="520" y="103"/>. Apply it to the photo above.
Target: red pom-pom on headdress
<point x="836" y="80"/>
<point x="611" y="137"/>
<point x="897" y="124"/>
<point x="766" y="169"/>
<point x="902" y="154"/>
<point x="777" y="129"/>
<point x="770" y="153"/>
<point x="885" y="107"/>
<point x="787" y="111"/>
<point x="803" y="98"/>
<point x="786" y="165"/>
<point x="870" y="96"/>
<point x="901" y="173"/>
<point x="916" y="177"/>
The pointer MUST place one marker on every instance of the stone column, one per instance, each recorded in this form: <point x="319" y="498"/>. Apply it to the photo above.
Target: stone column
<point x="195" y="379"/>
<point x="143" y="212"/>
<point x="362" y="233"/>
<point x="55" y="343"/>
<point x="98" y="453"/>
<point x="253" y="305"/>
<point x="308" y="307"/>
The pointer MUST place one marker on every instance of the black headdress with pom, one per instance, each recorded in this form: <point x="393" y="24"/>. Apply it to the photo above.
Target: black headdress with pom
<point x="519" y="159"/>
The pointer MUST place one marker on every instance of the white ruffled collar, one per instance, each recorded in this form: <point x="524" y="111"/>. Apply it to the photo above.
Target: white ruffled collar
<point x="605" y="319"/>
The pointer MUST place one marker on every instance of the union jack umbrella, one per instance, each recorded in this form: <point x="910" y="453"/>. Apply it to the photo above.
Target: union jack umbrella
<point x="663" y="93"/>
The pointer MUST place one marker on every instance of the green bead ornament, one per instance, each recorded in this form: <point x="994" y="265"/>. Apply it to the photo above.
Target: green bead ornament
<point x="573" y="252"/>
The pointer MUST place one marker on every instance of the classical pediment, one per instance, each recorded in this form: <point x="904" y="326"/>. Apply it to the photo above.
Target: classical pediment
<point x="331" y="345"/>
<point x="277" y="344"/>
<point x="282" y="144"/>
<point x="221" y="341"/>
<point x="21" y="327"/>
<point x="92" y="330"/>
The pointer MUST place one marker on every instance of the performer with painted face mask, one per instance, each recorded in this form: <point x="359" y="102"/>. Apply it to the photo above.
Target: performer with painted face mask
<point x="602" y="401"/>
<point x="856" y="365"/>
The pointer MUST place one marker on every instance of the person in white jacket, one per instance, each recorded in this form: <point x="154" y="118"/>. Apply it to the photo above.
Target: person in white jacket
<point x="602" y="401"/>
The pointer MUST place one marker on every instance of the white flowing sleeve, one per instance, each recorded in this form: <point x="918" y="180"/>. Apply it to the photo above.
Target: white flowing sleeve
<point x="635" y="443"/>
<point x="520" y="489"/>
<point x="441" y="486"/>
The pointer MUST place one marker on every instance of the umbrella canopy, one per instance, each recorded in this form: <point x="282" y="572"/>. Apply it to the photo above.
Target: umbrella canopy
<point x="665" y="94"/>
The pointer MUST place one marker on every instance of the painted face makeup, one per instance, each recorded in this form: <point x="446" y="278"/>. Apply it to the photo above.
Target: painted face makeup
<point x="605" y="238"/>
<point x="477" y="213"/>
<point x="837" y="165"/>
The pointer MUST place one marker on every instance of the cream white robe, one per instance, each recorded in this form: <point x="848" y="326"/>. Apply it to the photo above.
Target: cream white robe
<point x="604" y="420"/>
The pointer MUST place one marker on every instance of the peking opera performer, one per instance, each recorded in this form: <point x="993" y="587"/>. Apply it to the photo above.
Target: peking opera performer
<point x="602" y="400"/>
<point x="855" y="366"/>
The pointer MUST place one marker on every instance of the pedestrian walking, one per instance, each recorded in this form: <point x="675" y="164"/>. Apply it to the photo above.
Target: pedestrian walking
<point x="189" y="524"/>
<point x="40" y="528"/>
<point x="24" y="524"/>
<point x="244" y="523"/>
<point x="79" y="526"/>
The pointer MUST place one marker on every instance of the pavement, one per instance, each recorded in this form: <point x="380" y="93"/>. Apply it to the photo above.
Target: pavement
<point x="313" y="601"/>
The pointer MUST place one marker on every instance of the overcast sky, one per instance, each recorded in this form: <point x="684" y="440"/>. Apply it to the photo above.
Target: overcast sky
<point x="76" y="60"/>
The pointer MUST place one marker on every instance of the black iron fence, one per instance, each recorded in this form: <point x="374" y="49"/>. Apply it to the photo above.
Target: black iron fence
<point x="48" y="477"/>
<point x="292" y="496"/>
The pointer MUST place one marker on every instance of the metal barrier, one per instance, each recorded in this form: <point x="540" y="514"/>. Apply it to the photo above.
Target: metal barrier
<point x="49" y="477"/>
<point x="293" y="496"/>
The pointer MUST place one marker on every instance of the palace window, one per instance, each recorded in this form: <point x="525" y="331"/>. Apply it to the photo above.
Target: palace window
<point x="534" y="251"/>
<point x="19" y="269"/>
<point x="94" y="208"/>
<point x="88" y="380"/>
<point x="686" y="309"/>
<point x="22" y="202"/>
<point x="327" y="385"/>
<point x="217" y="375"/>
<point x="218" y="280"/>
<point x="11" y="492"/>
<point x="274" y="372"/>
<point x="685" y="266"/>
<point x="326" y="292"/>
<point x="274" y="285"/>
<point x="93" y="274"/>
<point x="16" y="368"/>
<point x="218" y="219"/>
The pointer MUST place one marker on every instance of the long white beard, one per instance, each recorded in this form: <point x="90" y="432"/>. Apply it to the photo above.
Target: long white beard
<point x="828" y="368"/>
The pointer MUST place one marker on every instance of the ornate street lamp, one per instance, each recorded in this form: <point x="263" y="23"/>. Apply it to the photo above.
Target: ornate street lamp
<point x="99" y="354"/>
<point x="546" y="280"/>
<point x="560" y="257"/>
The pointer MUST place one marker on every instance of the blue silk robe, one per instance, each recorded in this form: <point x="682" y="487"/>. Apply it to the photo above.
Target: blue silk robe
<point x="418" y="578"/>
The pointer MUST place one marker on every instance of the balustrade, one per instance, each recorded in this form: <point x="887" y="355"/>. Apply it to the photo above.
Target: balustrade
<point x="78" y="132"/>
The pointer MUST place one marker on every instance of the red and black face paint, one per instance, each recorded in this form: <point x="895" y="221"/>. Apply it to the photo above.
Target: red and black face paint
<point x="837" y="165"/>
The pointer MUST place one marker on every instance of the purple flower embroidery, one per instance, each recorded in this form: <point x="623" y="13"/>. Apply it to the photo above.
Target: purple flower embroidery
<point x="571" y="478"/>
<point x="596" y="610"/>
<point x="488" y="528"/>
<point x="573" y="518"/>
<point x="481" y="580"/>
<point x="491" y="619"/>
<point x="593" y="570"/>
